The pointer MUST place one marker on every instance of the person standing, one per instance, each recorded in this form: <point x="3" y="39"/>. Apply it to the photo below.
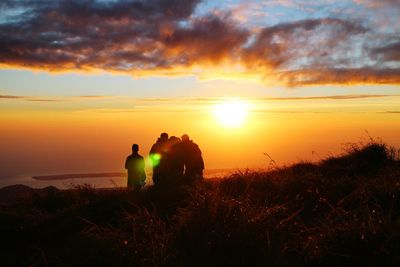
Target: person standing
<point x="194" y="164"/>
<point x="175" y="159"/>
<point x="135" y="165"/>
<point x="158" y="157"/>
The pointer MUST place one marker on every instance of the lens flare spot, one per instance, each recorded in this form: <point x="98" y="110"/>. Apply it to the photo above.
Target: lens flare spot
<point x="155" y="159"/>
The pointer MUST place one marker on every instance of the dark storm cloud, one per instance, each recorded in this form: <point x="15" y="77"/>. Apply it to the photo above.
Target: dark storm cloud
<point x="166" y="37"/>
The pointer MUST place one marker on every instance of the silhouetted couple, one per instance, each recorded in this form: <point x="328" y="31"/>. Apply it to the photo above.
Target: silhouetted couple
<point x="176" y="161"/>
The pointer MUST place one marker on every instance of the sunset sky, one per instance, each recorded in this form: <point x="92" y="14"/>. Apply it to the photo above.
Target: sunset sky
<point x="80" y="81"/>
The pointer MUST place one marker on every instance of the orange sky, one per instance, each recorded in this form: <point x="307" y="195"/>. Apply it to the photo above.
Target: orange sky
<point x="72" y="139"/>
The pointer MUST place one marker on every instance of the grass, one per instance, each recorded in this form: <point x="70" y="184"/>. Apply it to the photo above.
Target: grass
<point x="343" y="210"/>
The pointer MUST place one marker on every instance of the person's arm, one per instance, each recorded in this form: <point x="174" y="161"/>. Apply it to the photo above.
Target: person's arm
<point x="142" y="164"/>
<point x="126" y="163"/>
<point x="202" y="162"/>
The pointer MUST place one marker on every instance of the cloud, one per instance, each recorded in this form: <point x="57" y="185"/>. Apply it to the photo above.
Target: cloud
<point x="344" y="76"/>
<point x="331" y="97"/>
<point x="219" y="99"/>
<point x="29" y="98"/>
<point x="300" y="43"/>
<point x="53" y="99"/>
<point x="392" y="112"/>
<point x="10" y="97"/>
<point x="208" y="39"/>
<point x="124" y="36"/>
<point x="390" y="52"/>
<point x="380" y="3"/>
<point x="44" y="100"/>
<point x="92" y="97"/>
<point x="119" y="35"/>
<point x="323" y="51"/>
<point x="166" y="37"/>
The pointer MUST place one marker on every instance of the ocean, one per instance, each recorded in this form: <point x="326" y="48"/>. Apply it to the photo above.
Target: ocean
<point x="96" y="180"/>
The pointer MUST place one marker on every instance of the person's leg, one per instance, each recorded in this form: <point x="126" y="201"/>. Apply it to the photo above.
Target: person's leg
<point x="136" y="188"/>
<point x="156" y="178"/>
<point x="130" y="183"/>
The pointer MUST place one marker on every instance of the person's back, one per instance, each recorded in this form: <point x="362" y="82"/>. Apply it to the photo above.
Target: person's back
<point x="135" y="165"/>
<point x="158" y="159"/>
<point x="175" y="160"/>
<point x="194" y="164"/>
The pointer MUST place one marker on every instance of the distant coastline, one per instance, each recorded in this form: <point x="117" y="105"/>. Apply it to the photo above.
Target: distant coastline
<point x="110" y="179"/>
<point x="208" y="174"/>
<point x="78" y="175"/>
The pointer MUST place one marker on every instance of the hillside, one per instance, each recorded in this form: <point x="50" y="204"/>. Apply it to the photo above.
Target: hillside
<point x="341" y="211"/>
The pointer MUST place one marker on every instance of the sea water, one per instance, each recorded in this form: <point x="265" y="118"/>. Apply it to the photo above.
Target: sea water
<point x="96" y="182"/>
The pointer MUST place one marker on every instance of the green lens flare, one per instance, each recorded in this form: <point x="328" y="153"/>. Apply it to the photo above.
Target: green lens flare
<point x="155" y="159"/>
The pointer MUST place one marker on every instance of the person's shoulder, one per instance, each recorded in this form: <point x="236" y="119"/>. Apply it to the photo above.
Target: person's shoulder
<point x="156" y="144"/>
<point x="194" y="144"/>
<point x="196" y="148"/>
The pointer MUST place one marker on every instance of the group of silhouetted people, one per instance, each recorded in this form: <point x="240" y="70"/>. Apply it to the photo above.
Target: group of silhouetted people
<point x="175" y="161"/>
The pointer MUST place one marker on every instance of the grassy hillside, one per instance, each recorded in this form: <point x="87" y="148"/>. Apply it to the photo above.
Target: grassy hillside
<point x="342" y="211"/>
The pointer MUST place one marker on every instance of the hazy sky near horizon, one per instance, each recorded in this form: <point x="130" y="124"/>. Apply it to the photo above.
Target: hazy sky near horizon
<point x="80" y="81"/>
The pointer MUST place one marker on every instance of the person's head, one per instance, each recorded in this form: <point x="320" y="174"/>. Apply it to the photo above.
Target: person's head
<point x="135" y="148"/>
<point x="185" y="137"/>
<point x="174" y="139"/>
<point x="164" y="136"/>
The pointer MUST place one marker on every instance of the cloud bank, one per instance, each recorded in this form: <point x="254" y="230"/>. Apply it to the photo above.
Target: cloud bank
<point x="166" y="37"/>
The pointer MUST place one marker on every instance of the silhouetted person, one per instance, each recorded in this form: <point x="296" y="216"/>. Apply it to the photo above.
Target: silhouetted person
<point x="158" y="155"/>
<point x="193" y="160"/>
<point x="175" y="160"/>
<point x="135" y="165"/>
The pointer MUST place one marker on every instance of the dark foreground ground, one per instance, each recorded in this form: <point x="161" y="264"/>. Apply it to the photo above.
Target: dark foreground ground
<point x="343" y="211"/>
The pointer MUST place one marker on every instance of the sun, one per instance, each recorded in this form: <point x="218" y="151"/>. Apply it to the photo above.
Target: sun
<point x="231" y="112"/>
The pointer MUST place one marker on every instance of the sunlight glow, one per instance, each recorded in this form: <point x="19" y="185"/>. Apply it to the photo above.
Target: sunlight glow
<point x="231" y="112"/>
